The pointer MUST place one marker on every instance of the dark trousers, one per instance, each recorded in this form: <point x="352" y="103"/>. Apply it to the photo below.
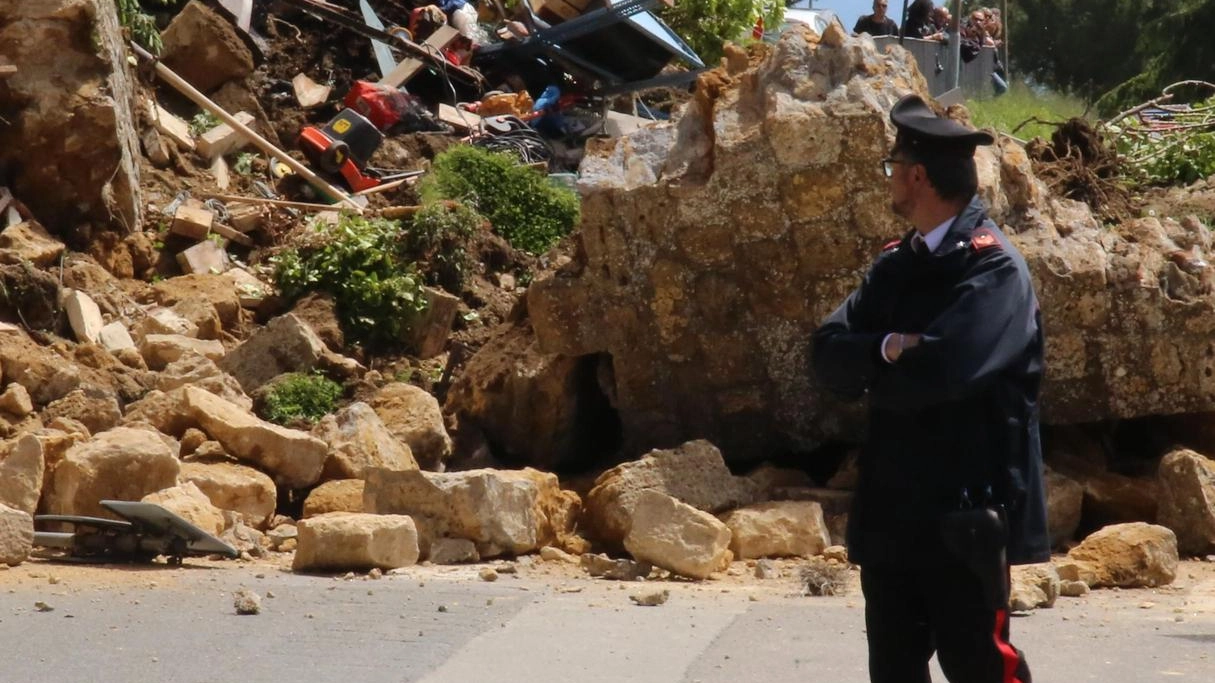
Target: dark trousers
<point x="911" y="613"/>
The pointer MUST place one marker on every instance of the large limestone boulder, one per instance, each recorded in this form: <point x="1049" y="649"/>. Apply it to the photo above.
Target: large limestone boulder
<point x="166" y="411"/>
<point x="693" y="473"/>
<point x="1129" y="555"/>
<point x="341" y="495"/>
<point x="69" y="113"/>
<point x="191" y="504"/>
<point x="1111" y="498"/>
<point x="1187" y="500"/>
<point x="121" y="464"/>
<point x="159" y="350"/>
<point x="777" y="529"/>
<point x="677" y="537"/>
<point x="544" y="409"/>
<point x="341" y="541"/>
<point x="292" y="457"/>
<point x="209" y="302"/>
<point x="95" y="409"/>
<point x="502" y="511"/>
<point x="202" y="372"/>
<point x="414" y="418"/>
<point x="239" y="488"/>
<point x="29" y="241"/>
<point x="22" y="465"/>
<point x="16" y="535"/>
<point x="204" y="48"/>
<point x="285" y="344"/>
<point x="359" y="441"/>
<point x="1064" y="503"/>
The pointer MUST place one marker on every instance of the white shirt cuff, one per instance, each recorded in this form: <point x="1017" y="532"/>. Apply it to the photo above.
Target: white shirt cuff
<point x="883" y="349"/>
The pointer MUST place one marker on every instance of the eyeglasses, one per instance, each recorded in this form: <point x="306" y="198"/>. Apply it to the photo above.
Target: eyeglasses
<point x="888" y="165"/>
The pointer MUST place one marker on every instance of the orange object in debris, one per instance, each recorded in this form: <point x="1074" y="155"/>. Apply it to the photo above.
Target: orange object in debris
<point x="515" y="104"/>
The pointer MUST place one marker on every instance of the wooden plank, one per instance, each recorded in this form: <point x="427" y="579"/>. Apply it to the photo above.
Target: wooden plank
<point x="269" y="202"/>
<point x="232" y="234"/>
<point x="409" y="67"/>
<point x="171" y="126"/>
<point x="458" y="118"/>
<point x="7" y="70"/>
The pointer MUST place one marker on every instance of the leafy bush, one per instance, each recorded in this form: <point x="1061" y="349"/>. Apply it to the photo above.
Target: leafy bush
<point x="362" y="263"/>
<point x="202" y="122"/>
<point x="707" y="24"/>
<point x="301" y="396"/>
<point x="142" y="25"/>
<point x="437" y="237"/>
<point x="520" y="203"/>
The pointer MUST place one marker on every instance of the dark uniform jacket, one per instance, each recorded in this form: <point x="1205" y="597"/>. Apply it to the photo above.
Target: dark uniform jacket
<point x="959" y="411"/>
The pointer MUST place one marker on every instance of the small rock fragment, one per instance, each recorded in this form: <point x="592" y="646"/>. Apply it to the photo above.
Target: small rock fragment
<point x="488" y="574"/>
<point x="650" y="598"/>
<point x="247" y="602"/>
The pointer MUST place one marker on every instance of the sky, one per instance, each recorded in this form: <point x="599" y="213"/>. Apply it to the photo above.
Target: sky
<point x="851" y="10"/>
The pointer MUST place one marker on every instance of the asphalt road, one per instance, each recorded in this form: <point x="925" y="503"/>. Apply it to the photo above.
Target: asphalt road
<point x="444" y="625"/>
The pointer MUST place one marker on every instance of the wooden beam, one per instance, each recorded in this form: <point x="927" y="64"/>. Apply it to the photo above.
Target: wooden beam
<point x="170" y="77"/>
<point x="269" y="202"/>
<point x="410" y="66"/>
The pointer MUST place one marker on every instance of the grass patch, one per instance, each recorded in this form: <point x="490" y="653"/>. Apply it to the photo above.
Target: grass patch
<point x="300" y="396"/>
<point x="1022" y="103"/>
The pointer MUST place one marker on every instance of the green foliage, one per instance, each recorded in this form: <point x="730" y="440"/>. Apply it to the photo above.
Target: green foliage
<point x="363" y="264"/>
<point x="244" y="163"/>
<point x="202" y="122"/>
<point x="1169" y="157"/>
<point x="299" y="396"/>
<point x="1022" y="104"/>
<point x="437" y="237"/>
<point x="141" y="24"/>
<point x="707" y="24"/>
<point x="520" y="203"/>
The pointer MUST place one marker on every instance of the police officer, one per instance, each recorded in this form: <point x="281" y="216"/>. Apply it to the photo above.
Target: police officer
<point x="944" y="336"/>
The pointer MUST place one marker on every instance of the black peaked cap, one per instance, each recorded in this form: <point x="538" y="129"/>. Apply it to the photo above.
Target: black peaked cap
<point x="922" y="131"/>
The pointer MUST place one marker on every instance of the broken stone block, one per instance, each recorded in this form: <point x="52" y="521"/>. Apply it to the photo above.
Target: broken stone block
<point x="285" y="344"/>
<point x="415" y="419"/>
<point x="677" y="536"/>
<point x="359" y="441"/>
<point x="293" y="458"/>
<point x="163" y="321"/>
<point x="219" y="171"/>
<point x="96" y="409"/>
<point x="452" y="551"/>
<point x="193" y="369"/>
<point x="29" y="241"/>
<point x="246" y="217"/>
<point x="155" y="148"/>
<point x="172" y="126"/>
<point x="16" y="535"/>
<point x="342" y="495"/>
<point x="204" y="48"/>
<point x="1187" y="500"/>
<point x="114" y="337"/>
<point x="159" y="350"/>
<point x="84" y="315"/>
<point x="693" y="473"/>
<point x="623" y="569"/>
<point x="428" y="334"/>
<point x="356" y="541"/>
<point x="308" y="92"/>
<point x="22" y="468"/>
<point x="777" y="529"/>
<point x="502" y="511"/>
<point x="251" y="291"/>
<point x="224" y="139"/>
<point x="239" y="488"/>
<point x="121" y="464"/>
<point x="1034" y="586"/>
<point x="191" y="504"/>
<point x="1128" y="555"/>
<point x="204" y="257"/>
<point x="16" y="401"/>
<point x="192" y="221"/>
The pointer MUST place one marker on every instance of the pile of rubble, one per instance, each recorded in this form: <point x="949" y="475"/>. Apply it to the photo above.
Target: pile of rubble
<point x="141" y="334"/>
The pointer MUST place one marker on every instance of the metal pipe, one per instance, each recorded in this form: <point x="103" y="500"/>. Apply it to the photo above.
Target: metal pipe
<point x="957" y="45"/>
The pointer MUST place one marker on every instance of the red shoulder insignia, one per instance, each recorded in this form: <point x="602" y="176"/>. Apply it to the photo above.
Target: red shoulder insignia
<point x="891" y="244"/>
<point x="983" y="238"/>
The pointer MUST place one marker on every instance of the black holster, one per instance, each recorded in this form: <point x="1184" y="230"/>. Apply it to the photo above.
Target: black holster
<point x="978" y="538"/>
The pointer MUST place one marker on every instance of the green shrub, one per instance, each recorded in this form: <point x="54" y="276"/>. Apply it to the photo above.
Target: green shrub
<point x="707" y="24"/>
<point x="520" y="203"/>
<point x="437" y="238"/>
<point x="363" y="264"/>
<point x="301" y="396"/>
<point x="141" y="24"/>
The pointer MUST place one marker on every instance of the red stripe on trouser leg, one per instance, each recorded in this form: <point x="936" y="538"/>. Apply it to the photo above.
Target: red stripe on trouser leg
<point x="1008" y="654"/>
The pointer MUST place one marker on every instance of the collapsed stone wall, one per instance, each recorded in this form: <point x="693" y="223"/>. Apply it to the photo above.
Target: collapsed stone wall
<point x="67" y="128"/>
<point x="711" y="249"/>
